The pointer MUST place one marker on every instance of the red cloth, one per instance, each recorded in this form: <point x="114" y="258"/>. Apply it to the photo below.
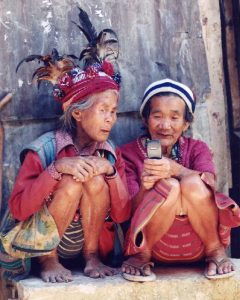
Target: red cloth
<point x="76" y="85"/>
<point x="34" y="185"/>
<point x="180" y="243"/>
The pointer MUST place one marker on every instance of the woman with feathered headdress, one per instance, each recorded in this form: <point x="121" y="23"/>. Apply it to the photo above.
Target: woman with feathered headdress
<point x="82" y="180"/>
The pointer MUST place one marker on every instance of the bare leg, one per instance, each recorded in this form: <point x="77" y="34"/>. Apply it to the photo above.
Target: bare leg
<point x="203" y="216"/>
<point x="62" y="208"/>
<point x="155" y="229"/>
<point x="94" y="207"/>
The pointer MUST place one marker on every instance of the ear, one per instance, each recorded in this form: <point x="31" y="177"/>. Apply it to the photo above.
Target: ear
<point x="145" y="121"/>
<point x="186" y="126"/>
<point x="77" y="115"/>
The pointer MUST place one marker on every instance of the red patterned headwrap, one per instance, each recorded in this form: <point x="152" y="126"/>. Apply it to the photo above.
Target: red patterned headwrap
<point x="76" y="85"/>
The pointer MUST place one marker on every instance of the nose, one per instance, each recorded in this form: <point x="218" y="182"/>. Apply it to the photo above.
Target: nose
<point x="165" y="124"/>
<point x="110" y="118"/>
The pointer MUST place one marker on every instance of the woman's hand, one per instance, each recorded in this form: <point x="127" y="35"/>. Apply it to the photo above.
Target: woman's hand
<point x="102" y="165"/>
<point x="147" y="181"/>
<point x="159" y="168"/>
<point x="156" y="169"/>
<point x="83" y="168"/>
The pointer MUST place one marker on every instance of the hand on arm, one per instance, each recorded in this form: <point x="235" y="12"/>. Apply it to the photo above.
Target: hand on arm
<point x="83" y="168"/>
<point x="156" y="169"/>
<point x="178" y="171"/>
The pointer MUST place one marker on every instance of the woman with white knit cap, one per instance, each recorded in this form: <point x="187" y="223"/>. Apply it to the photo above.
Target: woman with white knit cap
<point x="177" y="214"/>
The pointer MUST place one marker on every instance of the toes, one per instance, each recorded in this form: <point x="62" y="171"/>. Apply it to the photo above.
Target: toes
<point x="45" y="278"/>
<point x="100" y="272"/>
<point x="126" y="269"/>
<point x="147" y="271"/>
<point x="110" y="272"/>
<point x="227" y="268"/>
<point x="60" y="278"/>
<point x="57" y="277"/>
<point x="123" y="269"/>
<point x="52" y="278"/>
<point x="132" y="271"/>
<point x="212" y="269"/>
<point x="94" y="274"/>
<point x="224" y="268"/>
<point x="136" y="272"/>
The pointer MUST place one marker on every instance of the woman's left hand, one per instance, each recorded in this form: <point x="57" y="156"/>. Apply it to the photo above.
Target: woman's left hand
<point x="102" y="165"/>
<point x="159" y="168"/>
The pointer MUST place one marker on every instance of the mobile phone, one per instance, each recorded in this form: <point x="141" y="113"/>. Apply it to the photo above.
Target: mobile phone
<point x="154" y="149"/>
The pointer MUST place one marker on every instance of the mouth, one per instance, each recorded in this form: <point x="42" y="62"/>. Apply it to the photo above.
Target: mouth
<point x="105" y="131"/>
<point x="164" y="135"/>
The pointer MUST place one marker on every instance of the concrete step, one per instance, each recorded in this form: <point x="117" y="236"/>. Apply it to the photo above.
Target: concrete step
<point x="173" y="283"/>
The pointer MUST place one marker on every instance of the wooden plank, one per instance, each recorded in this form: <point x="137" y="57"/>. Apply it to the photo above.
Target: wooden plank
<point x="3" y="102"/>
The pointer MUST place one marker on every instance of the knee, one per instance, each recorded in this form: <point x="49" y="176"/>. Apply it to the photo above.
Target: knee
<point x="193" y="189"/>
<point x="175" y="185"/>
<point x="174" y="193"/>
<point x="95" y="186"/>
<point x="69" y="188"/>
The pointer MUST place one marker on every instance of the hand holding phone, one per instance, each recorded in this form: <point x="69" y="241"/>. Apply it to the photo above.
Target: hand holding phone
<point x="154" y="149"/>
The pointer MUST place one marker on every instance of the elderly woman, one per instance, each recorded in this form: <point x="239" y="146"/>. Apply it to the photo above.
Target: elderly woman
<point x="177" y="216"/>
<point x="84" y="185"/>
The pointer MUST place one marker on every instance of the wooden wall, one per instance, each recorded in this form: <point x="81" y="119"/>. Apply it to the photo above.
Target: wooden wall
<point x="158" y="38"/>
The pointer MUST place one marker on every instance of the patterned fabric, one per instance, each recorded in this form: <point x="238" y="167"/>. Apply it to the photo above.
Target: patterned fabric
<point x="63" y="139"/>
<point x="13" y="268"/>
<point x="180" y="243"/>
<point x="72" y="241"/>
<point x="28" y="238"/>
<point x="34" y="186"/>
<point x="76" y="85"/>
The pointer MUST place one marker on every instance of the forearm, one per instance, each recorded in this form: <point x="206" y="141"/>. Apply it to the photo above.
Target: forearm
<point x="24" y="202"/>
<point x="178" y="171"/>
<point x="33" y="185"/>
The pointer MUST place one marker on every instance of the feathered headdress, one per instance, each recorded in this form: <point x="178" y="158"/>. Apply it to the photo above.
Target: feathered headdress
<point x="72" y="84"/>
<point x="101" y="47"/>
<point x="54" y="66"/>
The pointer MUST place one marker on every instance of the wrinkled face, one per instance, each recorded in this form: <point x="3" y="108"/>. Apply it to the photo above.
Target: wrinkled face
<point x="166" y="121"/>
<point x="96" y="122"/>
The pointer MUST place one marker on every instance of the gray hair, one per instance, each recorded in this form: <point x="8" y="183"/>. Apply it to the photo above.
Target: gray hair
<point x="68" y="122"/>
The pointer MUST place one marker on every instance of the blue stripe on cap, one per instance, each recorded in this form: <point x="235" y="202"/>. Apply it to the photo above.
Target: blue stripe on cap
<point x="174" y="86"/>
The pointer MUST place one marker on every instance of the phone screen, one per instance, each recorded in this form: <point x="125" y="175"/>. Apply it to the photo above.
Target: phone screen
<point x="154" y="149"/>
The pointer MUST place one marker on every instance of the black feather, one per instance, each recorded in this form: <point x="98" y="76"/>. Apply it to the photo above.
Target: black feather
<point x="72" y="56"/>
<point x="86" y="27"/>
<point x="55" y="55"/>
<point x="29" y="58"/>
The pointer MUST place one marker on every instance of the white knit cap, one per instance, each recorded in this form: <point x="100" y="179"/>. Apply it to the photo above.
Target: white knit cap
<point x="169" y="85"/>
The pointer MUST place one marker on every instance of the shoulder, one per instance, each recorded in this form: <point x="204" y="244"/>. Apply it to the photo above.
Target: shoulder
<point x="195" y="145"/>
<point x="44" y="146"/>
<point x="129" y="147"/>
<point x="134" y="152"/>
<point x="197" y="156"/>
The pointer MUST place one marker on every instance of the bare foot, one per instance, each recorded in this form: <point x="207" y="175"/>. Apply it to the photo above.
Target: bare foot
<point x="136" y="262"/>
<point x="96" y="269"/>
<point x="53" y="271"/>
<point x="225" y="264"/>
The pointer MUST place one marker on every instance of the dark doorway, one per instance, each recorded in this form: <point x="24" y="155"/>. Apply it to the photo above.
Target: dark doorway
<point x="230" y="16"/>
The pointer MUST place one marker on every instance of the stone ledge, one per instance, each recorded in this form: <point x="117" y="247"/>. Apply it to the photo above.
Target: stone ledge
<point x="173" y="283"/>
